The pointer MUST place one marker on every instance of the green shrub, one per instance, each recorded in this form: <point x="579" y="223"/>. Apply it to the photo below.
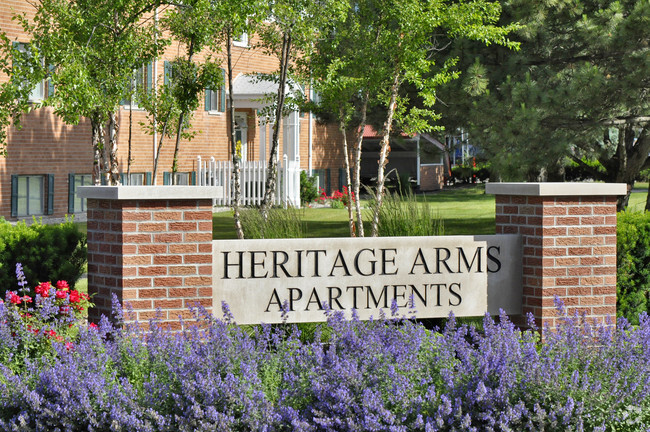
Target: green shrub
<point x="280" y="223"/>
<point x="308" y="188"/>
<point x="573" y="171"/>
<point x="403" y="215"/>
<point x="47" y="253"/>
<point x="633" y="264"/>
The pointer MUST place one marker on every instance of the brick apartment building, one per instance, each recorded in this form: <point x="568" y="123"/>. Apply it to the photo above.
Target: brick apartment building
<point x="47" y="159"/>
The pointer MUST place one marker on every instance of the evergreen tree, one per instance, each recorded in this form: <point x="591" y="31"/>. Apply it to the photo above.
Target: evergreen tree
<point x="577" y="89"/>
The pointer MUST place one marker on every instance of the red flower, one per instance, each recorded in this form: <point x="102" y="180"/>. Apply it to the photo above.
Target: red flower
<point x="64" y="310"/>
<point x="13" y="297"/>
<point x="60" y="295"/>
<point x="62" y="285"/>
<point x="74" y="296"/>
<point x="69" y="346"/>
<point x="43" y="289"/>
<point x="50" y="333"/>
<point x="27" y="299"/>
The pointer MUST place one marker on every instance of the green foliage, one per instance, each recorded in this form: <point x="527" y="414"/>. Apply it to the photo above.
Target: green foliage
<point x="470" y="173"/>
<point x="577" y="87"/>
<point x="403" y="215"/>
<point x="633" y="264"/>
<point x="583" y="169"/>
<point x="308" y="188"/>
<point x="280" y="223"/>
<point x="47" y="253"/>
<point x="23" y="68"/>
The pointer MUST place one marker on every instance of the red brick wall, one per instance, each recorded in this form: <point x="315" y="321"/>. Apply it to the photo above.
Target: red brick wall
<point x="569" y="251"/>
<point x="45" y="145"/>
<point x="151" y="254"/>
<point x="432" y="177"/>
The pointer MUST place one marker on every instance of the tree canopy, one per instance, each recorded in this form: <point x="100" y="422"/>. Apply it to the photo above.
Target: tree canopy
<point x="577" y="89"/>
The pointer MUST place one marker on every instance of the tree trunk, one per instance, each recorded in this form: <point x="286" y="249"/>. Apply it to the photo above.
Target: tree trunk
<point x="631" y="157"/>
<point x="128" y="160"/>
<point x="179" y="131"/>
<point x="113" y="129"/>
<point x="98" y="148"/>
<point x="236" y="156"/>
<point x="357" y="162"/>
<point x="271" y="179"/>
<point x="181" y="119"/>
<point x="383" y="155"/>
<point x="348" y="182"/>
<point x="160" y="144"/>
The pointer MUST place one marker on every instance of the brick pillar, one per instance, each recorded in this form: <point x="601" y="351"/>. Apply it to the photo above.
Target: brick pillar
<point x="569" y="244"/>
<point x="151" y="247"/>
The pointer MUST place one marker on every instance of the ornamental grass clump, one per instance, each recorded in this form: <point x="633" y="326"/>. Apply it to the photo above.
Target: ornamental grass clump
<point x="387" y="374"/>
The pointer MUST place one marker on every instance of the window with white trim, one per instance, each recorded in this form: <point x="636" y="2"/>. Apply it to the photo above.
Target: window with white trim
<point x="40" y="90"/>
<point x="141" y="80"/>
<point x="240" y="40"/>
<point x="215" y="100"/>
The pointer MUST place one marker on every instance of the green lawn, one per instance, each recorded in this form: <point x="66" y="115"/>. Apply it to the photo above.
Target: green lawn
<point x="465" y="210"/>
<point x="638" y="197"/>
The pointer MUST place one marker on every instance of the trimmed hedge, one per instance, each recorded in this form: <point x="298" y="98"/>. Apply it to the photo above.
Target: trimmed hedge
<point x="47" y="252"/>
<point x="633" y="264"/>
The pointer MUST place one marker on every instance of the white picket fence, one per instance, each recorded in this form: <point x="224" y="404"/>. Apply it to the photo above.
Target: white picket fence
<point x="253" y="181"/>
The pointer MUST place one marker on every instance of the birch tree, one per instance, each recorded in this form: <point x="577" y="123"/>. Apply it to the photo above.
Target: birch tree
<point x="407" y="48"/>
<point x="234" y="18"/>
<point x="191" y="25"/>
<point x="89" y="51"/>
<point x="289" y="32"/>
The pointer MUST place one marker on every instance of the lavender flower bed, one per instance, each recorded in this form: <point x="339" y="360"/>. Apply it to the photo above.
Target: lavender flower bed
<point x="384" y="375"/>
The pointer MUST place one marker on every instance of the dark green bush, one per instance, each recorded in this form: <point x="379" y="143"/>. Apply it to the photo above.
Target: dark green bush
<point x="308" y="188"/>
<point x="47" y="253"/>
<point x="633" y="264"/>
<point x="591" y="170"/>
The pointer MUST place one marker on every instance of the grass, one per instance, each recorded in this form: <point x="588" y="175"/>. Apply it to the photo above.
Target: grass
<point x="464" y="210"/>
<point x="638" y="197"/>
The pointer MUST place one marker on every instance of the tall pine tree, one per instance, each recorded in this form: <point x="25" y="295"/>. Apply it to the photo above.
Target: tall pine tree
<point x="578" y="88"/>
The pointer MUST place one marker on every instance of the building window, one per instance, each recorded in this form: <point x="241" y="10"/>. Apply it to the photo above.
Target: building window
<point x="32" y="195"/>
<point x="142" y="80"/>
<point x="182" y="178"/>
<point x="43" y="87"/>
<point x="75" y="203"/>
<point x="215" y="100"/>
<point x="240" y="40"/>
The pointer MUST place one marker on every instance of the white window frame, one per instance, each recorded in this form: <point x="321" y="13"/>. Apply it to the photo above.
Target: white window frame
<point x="137" y="179"/>
<point x="241" y="41"/>
<point x="215" y="101"/>
<point x="136" y="83"/>
<point x="182" y="178"/>
<point x="38" y="92"/>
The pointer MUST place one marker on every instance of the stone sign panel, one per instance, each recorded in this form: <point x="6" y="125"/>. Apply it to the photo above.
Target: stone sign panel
<point x="423" y="276"/>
